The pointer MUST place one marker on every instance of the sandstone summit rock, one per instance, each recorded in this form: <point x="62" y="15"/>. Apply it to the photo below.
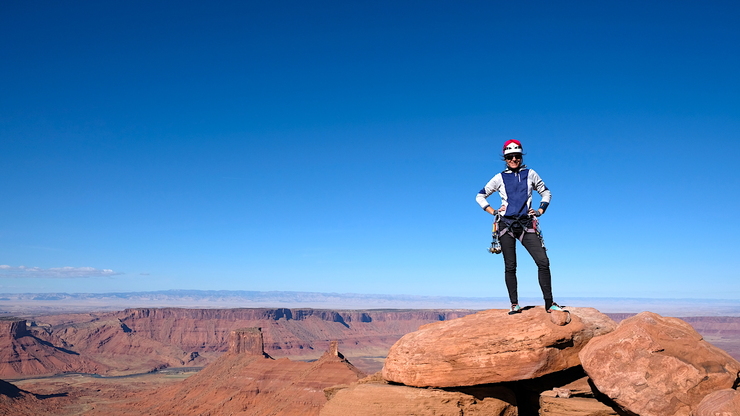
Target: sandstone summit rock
<point x="722" y="402"/>
<point x="655" y="366"/>
<point x="492" y="347"/>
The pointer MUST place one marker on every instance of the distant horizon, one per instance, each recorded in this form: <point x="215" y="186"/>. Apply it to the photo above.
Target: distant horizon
<point x="58" y="302"/>
<point x="401" y="295"/>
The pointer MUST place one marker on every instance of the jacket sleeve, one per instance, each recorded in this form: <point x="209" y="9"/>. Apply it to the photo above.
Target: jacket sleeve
<point x="539" y="185"/>
<point x="492" y="186"/>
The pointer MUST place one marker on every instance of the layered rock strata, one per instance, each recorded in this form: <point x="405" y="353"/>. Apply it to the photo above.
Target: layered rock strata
<point x="720" y="403"/>
<point x="110" y="341"/>
<point x="139" y="340"/>
<point x="286" y="331"/>
<point x="248" y="341"/>
<point x="246" y="381"/>
<point x="22" y="354"/>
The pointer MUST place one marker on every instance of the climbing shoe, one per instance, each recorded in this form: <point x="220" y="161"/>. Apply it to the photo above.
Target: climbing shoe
<point x="515" y="308"/>
<point x="555" y="307"/>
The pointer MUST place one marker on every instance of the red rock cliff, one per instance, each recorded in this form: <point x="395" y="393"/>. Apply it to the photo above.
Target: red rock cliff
<point x="247" y="341"/>
<point x="286" y="332"/>
<point x="15" y="328"/>
<point x="22" y="354"/>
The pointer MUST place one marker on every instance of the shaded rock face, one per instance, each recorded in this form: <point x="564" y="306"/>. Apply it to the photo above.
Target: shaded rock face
<point x="17" y="402"/>
<point x="13" y="328"/>
<point x="374" y="399"/>
<point x="655" y="366"/>
<point x="720" y="403"/>
<point x="492" y="347"/>
<point x="23" y="354"/>
<point x="111" y="342"/>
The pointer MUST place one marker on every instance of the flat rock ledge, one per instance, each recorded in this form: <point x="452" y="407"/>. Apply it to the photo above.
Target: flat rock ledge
<point x="574" y="399"/>
<point x="492" y="347"/>
<point x="374" y="399"/>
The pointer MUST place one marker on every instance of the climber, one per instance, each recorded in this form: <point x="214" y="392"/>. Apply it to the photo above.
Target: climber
<point x="516" y="220"/>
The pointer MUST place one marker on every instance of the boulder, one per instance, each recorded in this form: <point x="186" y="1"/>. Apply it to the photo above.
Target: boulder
<point x="722" y="402"/>
<point x="655" y="366"/>
<point x="491" y="347"/>
<point x="560" y="318"/>
<point x="374" y="399"/>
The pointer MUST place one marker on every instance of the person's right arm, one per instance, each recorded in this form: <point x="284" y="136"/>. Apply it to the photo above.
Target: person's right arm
<point x="492" y="186"/>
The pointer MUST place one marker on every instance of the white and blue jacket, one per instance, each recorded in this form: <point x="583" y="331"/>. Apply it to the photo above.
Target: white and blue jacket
<point x="515" y="189"/>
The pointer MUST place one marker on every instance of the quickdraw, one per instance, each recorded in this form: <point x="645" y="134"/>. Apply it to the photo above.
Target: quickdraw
<point x="495" y="245"/>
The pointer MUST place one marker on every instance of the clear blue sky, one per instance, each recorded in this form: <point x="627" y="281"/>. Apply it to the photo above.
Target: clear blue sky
<point x="338" y="146"/>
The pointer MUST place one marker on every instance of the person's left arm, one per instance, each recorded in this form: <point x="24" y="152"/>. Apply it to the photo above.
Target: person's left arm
<point x="539" y="185"/>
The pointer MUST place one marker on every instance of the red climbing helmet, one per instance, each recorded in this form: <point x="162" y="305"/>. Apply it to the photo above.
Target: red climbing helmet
<point x="512" y="146"/>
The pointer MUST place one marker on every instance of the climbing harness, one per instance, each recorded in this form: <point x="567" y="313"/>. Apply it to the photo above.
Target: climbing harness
<point x="538" y="231"/>
<point x="515" y="226"/>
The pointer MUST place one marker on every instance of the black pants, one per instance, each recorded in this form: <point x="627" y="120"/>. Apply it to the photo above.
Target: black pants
<point x="533" y="245"/>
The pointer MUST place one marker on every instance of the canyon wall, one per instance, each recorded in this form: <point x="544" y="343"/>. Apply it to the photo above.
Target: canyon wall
<point x="143" y="339"/>
<point x="244" y="381"/>
<point x="237" y="344"/>
<point x="22" y="354"/>
<point x="303" y="333"/>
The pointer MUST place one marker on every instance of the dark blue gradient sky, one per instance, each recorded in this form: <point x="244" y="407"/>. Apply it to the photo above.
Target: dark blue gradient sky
<point x="338" y="146"/>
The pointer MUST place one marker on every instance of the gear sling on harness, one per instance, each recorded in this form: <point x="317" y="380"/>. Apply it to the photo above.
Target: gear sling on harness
<point x="515" y="227"/>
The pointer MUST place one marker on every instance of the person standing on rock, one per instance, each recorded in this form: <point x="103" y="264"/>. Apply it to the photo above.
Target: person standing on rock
<point x="516" y="220"/>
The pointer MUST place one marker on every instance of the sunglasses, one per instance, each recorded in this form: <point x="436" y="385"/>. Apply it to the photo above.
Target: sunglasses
<point x="509" y="157"/>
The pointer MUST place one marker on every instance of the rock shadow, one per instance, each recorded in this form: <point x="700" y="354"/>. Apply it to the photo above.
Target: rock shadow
<point x="50" y="396"/>
<point x="10" y="390"/>
<point x="603" y="398"/>
<point x="528" y="391"/>
<point x="524" y="394"/>
<point x="49" y="344"/>
<point x="485" y="391"/>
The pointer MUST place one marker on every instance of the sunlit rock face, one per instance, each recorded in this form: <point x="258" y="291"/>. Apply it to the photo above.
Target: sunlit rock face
<point x="653" y="366"/>
<point x="492" y="347"/>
